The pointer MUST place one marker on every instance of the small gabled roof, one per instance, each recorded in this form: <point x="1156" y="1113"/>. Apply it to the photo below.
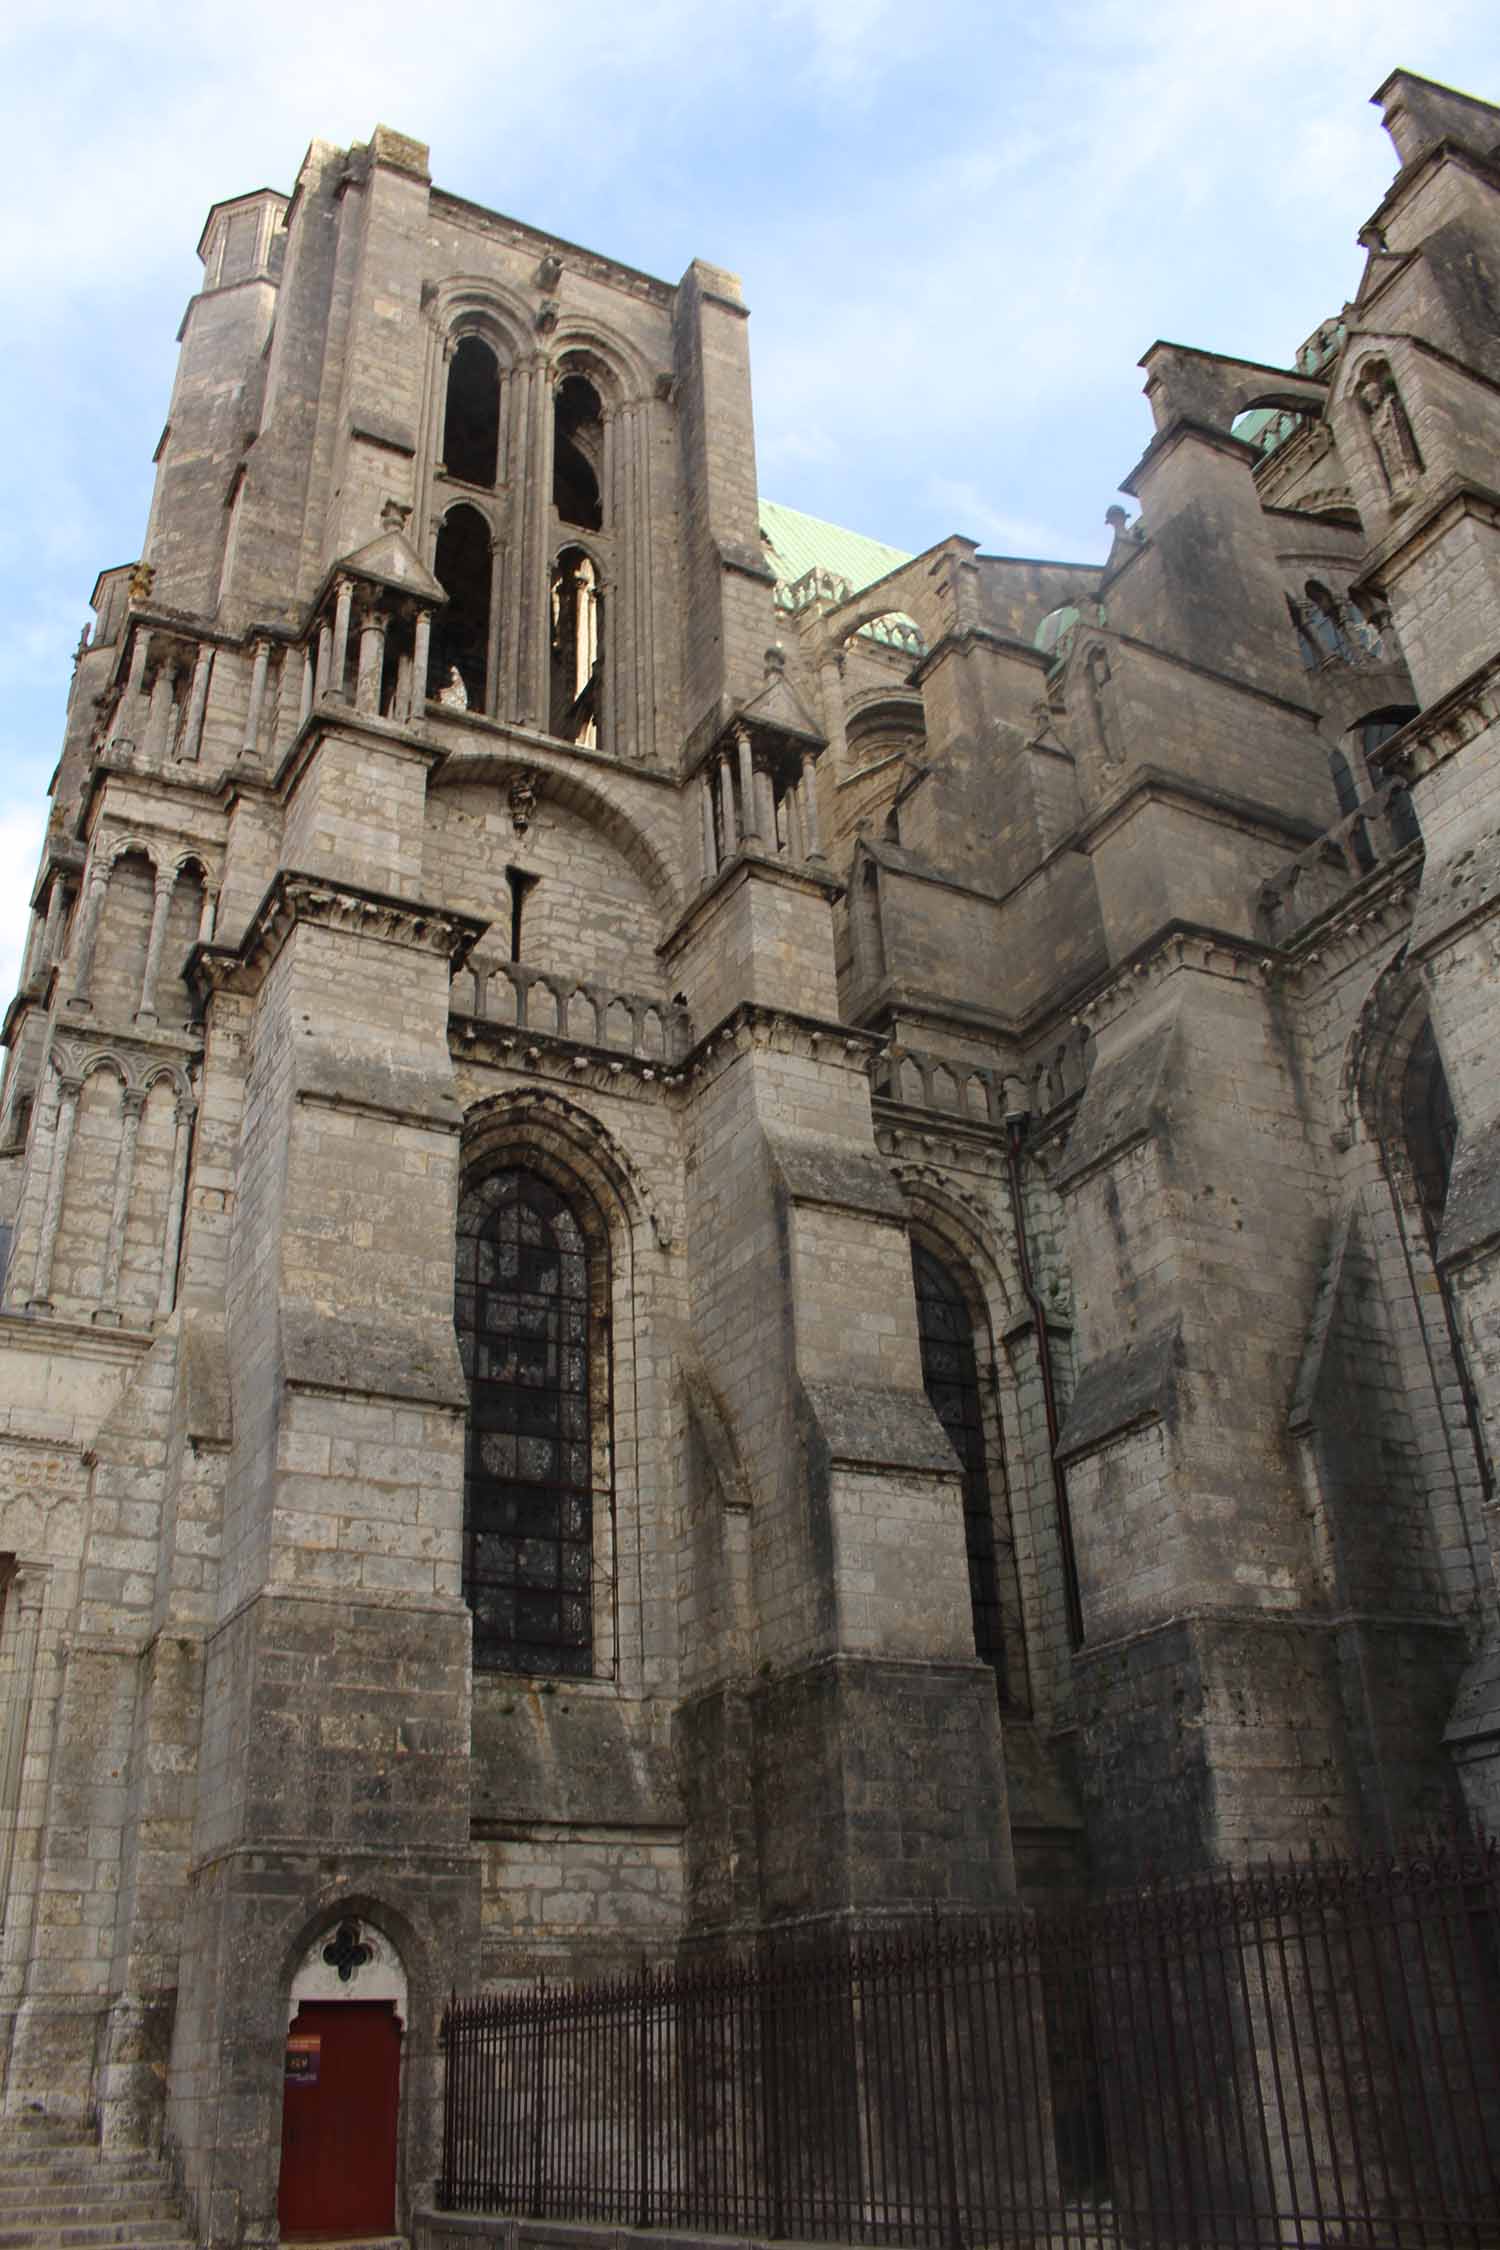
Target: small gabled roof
<point x="392" y="560"/>
<point x="779" y="709"/>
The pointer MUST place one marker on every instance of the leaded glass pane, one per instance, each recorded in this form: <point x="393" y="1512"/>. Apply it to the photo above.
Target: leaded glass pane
<point x="522" y="1312"/>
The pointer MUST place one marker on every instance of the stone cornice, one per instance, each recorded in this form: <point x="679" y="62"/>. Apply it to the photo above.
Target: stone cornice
<point x="1421" y="526"/>
<point x="929" y="1153"/>
<point x="42" y="1332"/>
<point x="734" y="872"/>
<point x="1181" y="946"/>
<point x="1445" y="727"/>
<point x="298" y="897"/>
<point x="752" y="1026"/>
<point x="1184" y="428"/>
<point x="1161" y="785"/>
<point x="1377" y="910"/>
<point x="331" y="717"/>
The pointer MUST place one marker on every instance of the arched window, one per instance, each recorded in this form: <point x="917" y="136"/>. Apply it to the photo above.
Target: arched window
<point x="1430" y="1125"/>
<point x="578" y="453"/>
<point x="464" y="566"/>
<point x="1373" y="731"/>
<point x="471" y="424"/>
<point x="527" y="1310"/>
<point x="950" y="1374"/>
<point x="577" y="643"/>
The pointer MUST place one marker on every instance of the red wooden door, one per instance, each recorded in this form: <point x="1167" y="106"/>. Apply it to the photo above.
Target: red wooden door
<point x="338" y="2119"/>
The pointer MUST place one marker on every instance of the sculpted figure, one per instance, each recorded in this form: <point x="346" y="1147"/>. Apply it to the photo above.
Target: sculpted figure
<point x="455" y="694"/>
<point x="1391" y="432"/>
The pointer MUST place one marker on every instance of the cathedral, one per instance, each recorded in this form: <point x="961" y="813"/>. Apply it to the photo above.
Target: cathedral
<point x="707" y="1228"/>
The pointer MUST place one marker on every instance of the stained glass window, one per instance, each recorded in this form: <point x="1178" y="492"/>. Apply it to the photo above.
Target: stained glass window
<point x="522" y="1312"/>
<point x="951" y="1376"/>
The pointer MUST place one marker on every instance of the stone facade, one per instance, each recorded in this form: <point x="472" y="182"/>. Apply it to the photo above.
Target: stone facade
<point x="693" y="1247"/>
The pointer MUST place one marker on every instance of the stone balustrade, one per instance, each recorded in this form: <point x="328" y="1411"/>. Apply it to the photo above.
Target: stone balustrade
<point x="1376" y="831"/>
<point x="978" y="1094"/>
<point x="588" y="1013"/>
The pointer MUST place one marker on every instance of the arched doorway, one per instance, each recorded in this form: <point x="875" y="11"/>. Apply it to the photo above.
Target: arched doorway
<point x="341" y="2095"/>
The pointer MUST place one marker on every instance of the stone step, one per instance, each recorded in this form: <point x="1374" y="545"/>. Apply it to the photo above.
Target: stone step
<point x="97" y="2235"/>
<point x="40" y="2131"/>
<point x="148" y="2197"/>
<point x="79" y="2172"/>
<point x="60" y="2191"/>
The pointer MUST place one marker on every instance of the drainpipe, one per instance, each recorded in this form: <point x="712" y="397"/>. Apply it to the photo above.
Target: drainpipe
<point x="1015" y="1136"/>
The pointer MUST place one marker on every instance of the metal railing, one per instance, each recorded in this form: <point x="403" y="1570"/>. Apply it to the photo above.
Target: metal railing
<point x="1303" y="2054"/>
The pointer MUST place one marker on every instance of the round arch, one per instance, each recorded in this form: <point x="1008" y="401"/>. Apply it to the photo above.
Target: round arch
<point x="566" y="784"/>
<point x="613" y="366"/>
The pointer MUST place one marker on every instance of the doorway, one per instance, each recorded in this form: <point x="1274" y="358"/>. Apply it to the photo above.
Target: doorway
<point x="338" y="2120"/>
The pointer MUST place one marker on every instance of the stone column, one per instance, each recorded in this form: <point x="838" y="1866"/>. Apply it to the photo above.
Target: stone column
<point x="163" y="704"/>
<point x="752" y="836"/>
<point x="127" y="709"/>
<point x="161" y="906"/>
<point x="371" y="663"/>
<point x="831" y="682"/>
<point x="57" y="897"/>
<point x="729" y="825"/>
<point x="250" y="746"/>
<point x="32" y="955"/>
<point x="614" y="713"/>
<point x="403" y="704"/>
<point x="166" y="1294"/>
<point x="209" y="914"/>
<point x="190" y="741"/>
<point x="631" y="527"/>
<point x="530" y="624"/>
<point x="324" y="663"/>
<point x="69" y="1090"/>
<point x="132" y="1102"/>
<point x="343" y="606"/>
<point x="791" y="808"/>
<point x="309" y="682"/>
<point x="421" y="656"/>
<point x="87" y="937"/>
<point x="706" y="810"/>
<point x="765" y="807"/>
<point x="810" y="805"/>
<point x="22" y="1611"/>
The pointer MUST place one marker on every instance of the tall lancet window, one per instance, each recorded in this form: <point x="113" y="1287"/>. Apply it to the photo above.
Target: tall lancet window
<point x="577" y="645"/>
<point x="526" y="1309"/>
<point x="471" y="422"/>
<point x="950" y="1373"/>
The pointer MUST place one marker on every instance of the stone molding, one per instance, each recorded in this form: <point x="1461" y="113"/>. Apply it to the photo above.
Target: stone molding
<point x="1445" y="727"/>
<point x="139" y="1060"/>
<point x="1343" y="934"/>
<point x="1216" y="953"/>
<point x="297" y="897"/>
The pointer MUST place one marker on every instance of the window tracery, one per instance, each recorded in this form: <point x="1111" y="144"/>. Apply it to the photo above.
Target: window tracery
<point x="526" y="1311"/>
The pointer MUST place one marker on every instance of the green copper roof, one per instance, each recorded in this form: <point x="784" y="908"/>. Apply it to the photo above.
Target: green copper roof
<point x="799" y="543"/>
<point x="817" y="561"/>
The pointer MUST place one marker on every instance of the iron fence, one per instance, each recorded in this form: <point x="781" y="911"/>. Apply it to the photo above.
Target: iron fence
<point x="1296" y="2055"/>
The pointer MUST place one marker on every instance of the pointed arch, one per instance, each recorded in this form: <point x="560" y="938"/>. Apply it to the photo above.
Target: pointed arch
<point x="960" y="1291"/>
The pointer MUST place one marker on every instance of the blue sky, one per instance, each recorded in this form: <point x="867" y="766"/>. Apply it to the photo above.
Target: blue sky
<point x="959" y="225"/>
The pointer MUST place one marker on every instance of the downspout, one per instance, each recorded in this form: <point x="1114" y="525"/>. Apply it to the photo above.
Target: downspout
<point x="1015" y="1135"/>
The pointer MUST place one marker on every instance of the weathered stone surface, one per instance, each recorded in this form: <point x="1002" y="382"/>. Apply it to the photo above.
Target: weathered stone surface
<point x="693" y="1248"/>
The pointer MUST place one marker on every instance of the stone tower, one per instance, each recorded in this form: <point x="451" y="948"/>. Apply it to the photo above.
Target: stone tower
<point x="710" y="1228"/>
